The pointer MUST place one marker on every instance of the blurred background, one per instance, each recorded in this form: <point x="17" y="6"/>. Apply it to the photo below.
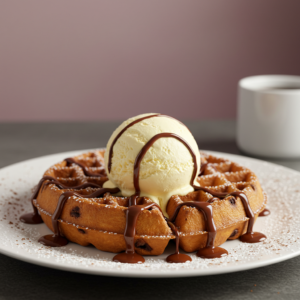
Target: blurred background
<point x="75" y="60"/>
<point x="72" y="70"/>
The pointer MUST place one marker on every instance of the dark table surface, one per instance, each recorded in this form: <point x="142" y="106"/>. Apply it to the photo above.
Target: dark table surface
<point x="20" y="280"/>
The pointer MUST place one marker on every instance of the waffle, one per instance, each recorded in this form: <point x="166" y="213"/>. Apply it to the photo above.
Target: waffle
<point x="102" y="221"/>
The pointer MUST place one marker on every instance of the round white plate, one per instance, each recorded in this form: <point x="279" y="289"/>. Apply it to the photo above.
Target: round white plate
<point x="20" y="240"/>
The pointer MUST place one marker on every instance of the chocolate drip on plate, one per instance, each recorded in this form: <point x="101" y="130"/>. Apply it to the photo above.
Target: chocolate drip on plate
<point x="177" y="257"/>
<point x="85" y="169"/>
<point x="53" y="240"/>
<point x="264" y="213"/>
<point x="57" y="240"/>
<point x="31" y="218"/>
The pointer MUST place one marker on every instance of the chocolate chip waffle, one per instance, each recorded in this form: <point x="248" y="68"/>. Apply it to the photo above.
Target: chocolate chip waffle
<point x="66" y="202"/>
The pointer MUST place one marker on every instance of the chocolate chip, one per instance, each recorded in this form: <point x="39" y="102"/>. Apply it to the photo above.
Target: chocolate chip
<point x="234" y="232"/>
<point x="75" y="212"/>
<point x="140" y="243"/>
<point x="232" y="200"/>
<point x="81" y="231"/>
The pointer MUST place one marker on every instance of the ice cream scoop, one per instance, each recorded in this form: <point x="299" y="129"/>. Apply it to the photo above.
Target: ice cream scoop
<point x="167" y="166"/>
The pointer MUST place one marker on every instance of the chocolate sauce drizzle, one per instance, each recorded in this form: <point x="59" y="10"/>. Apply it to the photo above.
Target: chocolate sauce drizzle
<point x="133" y="211"/>
<point x="56" y="239"/>
<point x="210" y="251"/>
<point x="128" y="126"/>
<point x="85" y="169"/>
<point x="129" y="256"/>
<point x="249" y="236"/>
<point x="34" y="217"/>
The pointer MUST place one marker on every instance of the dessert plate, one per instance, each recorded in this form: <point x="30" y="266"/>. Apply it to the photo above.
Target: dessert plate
<point x="20" y="241"/>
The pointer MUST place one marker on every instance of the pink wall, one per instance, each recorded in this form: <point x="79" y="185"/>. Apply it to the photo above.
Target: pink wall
<point x="105" y="60"/>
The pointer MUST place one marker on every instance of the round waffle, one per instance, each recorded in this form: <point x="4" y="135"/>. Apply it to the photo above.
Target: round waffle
<point x="101" y="221"/>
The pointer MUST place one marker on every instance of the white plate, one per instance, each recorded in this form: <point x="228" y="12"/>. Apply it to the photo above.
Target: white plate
<point x="282" y="228"/>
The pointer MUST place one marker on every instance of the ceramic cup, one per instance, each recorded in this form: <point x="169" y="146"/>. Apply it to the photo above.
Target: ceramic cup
<point x="268" y="119"/>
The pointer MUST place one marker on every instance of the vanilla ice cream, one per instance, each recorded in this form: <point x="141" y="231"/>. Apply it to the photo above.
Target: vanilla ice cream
<point x="166" y="168"/>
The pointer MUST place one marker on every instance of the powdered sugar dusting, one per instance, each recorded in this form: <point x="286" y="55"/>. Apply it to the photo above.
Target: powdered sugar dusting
<point x="281" y="228"/>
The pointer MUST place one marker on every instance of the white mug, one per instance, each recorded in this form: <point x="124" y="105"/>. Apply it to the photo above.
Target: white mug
<point x="268" y="116"/>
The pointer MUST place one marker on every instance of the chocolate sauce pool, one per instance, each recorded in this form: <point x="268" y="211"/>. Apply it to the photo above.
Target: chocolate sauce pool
<point x="264" y="213"/>
<point x="177" y="257"/>
<point x="86" y="171"/>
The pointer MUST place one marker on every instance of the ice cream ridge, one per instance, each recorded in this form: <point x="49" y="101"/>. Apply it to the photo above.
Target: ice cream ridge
<point x="151" y="162"/>
<point x="166" y="167"/>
